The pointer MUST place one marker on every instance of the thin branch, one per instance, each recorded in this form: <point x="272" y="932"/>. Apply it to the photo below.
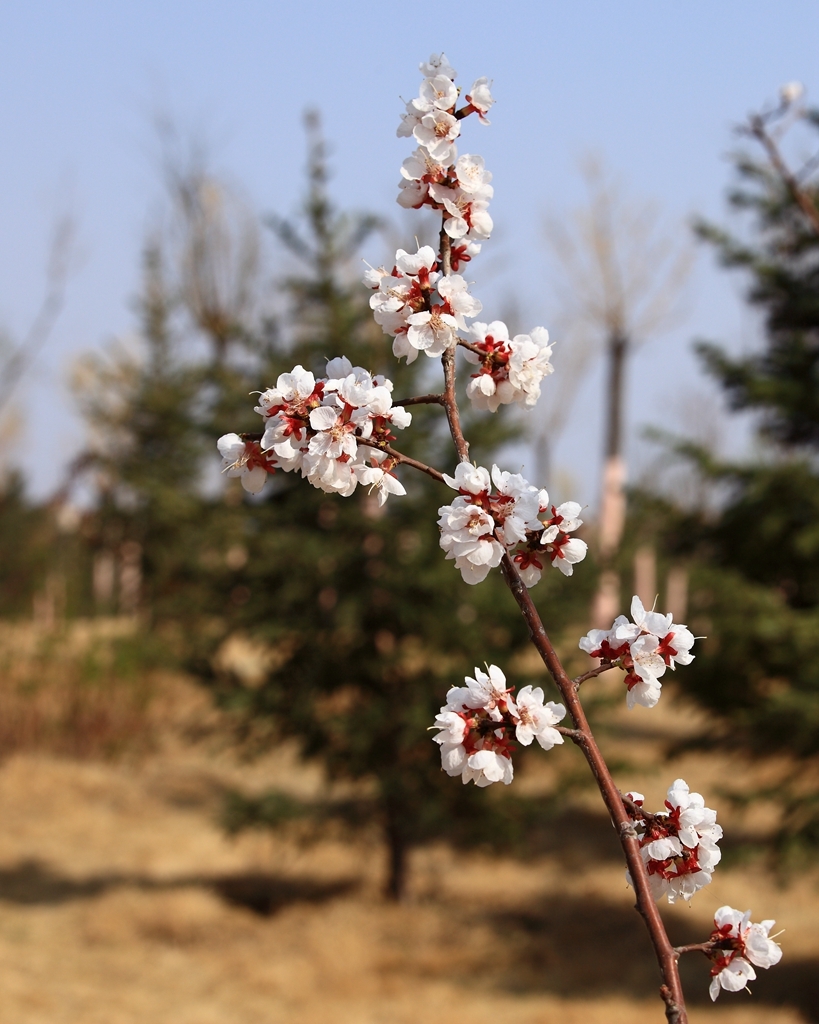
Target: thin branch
<point x="573" y="734"/>
<point x="472" y="348"/>
<point x="591" y="674"/>
<point x="636" y="811"/>
<point x="40" y="331"/>
<point x="671" y="989"/>
<point x="756" y="128"/>
<point x="696" y="947"/>
<point x="404" y="459"/>
<point x="420" y="400"/>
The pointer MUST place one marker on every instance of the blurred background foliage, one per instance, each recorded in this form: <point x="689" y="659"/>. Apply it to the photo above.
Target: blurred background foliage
<point x="338" y="625"/>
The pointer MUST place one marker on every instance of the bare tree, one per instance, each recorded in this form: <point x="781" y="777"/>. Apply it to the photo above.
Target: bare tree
<point x="215" y="238"/>
<point x="61" y="253"/>
<point x="622" y="278"/>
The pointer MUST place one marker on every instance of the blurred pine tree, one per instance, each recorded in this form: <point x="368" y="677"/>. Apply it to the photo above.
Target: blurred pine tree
<point x="365" y="624"/>
<point x="755" y="574"/>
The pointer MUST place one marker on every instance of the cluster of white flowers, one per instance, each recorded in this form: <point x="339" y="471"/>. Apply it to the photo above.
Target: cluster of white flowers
<point x="418" y="306"/>
<point x="435" y="175"/>
<point x="511" y="369"/>
<point x="315" y="426"/>
<point x="477" y="722"/>
<point x="480" y="526"/>
<point x="645" y="648"/>
<point x="738" y="944"/>
<point x="679" y="844"/>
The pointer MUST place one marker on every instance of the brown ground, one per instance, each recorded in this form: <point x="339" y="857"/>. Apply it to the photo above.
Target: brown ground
<point x="122" y="902"/>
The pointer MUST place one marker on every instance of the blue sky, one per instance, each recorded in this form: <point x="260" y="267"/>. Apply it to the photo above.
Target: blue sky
<point x="653" y="87"/>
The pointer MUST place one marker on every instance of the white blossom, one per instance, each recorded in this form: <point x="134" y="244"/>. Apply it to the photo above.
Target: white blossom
<point x="432" y="331"/>
<point x="510" y="369"/>
<point x="472" y="175"/>
<point x="377" y="477"/>
<point x="536" y="720"/>
<point x="480" y="97"/>
<point x="741" y="943"/>
<point x="454" y="290"/>
<point x="437" y="65"/>
<point x="644" y="647"/>
<point x="469" y="479"/>
<point x="505" y="518"/>
<point x="412" y="194"/>
<point x="437" y="132"/>
<point x="791" y="92"/>
<point x="473" y="725"/>
<point x="244" y="459"/>
<point x="467" y="537"/>
<point x="679" y="844"/>
<point x="485" y="691"/>
<point x="315" y="426"/>
<point x="439" y="92"/>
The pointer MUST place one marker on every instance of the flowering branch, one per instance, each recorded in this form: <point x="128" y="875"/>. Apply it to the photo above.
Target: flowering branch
<point x="757" y="128"/>
<point x="337" y="432"/>
<point x="671" y="990"/>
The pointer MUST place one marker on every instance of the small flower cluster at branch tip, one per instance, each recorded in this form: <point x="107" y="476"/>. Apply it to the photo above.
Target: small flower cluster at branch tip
<point x="645" y="648"/>
<point x="477" y="722"/>
<point x="418" y="306"/>
<point x="315" y="425"/>
<point x="679" y="844"/>
<point x="435" y="175"/>
<point x="738" y="943"/>
<point x="791" y="92"/>
<point x="480" y="525"/>
<point x="511" y="369"/>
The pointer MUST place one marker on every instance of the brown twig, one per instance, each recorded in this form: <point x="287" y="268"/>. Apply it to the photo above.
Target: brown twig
<point x="13" y="369"/>
<point x="404" y="459"/>
<point x="616" y="803"/>
<point x="697" y="947"/>
<point x="420" y="400"/>
<point x="756" y="128"/>
<point x="667" y="957"/>
<point x="591" y="674"/>
<point x="637" y="811"/>
<point x="472" y="348"/>
<point x="671" y="989"/>
<point x="450" y="402"/>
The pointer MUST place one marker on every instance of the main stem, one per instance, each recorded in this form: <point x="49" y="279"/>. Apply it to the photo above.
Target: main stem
<point x="450" y="402"/>
<point x="667" y="956"/>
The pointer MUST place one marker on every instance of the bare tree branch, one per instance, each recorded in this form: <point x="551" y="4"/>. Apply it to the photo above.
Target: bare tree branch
<point x="59" y="265"/>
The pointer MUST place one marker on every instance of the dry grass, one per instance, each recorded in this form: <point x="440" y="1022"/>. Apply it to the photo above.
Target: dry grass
<point x="118" y="906"/>
<point x="122" y="902"/>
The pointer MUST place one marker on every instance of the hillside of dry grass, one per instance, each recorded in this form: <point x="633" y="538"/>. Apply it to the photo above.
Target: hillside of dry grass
<point x="122" y="901"/>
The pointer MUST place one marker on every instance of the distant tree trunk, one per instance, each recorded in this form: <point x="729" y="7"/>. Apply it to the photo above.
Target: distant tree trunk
<point x="397" y="849"/>
<point x="645" y="575"/>
<point x="618" y="348"/>
<point x="613" y="499"/>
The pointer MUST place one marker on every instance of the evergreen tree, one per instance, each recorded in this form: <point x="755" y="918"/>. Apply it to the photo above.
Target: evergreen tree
<point x="756" y="561"/>
<point x="366" y="624"/>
